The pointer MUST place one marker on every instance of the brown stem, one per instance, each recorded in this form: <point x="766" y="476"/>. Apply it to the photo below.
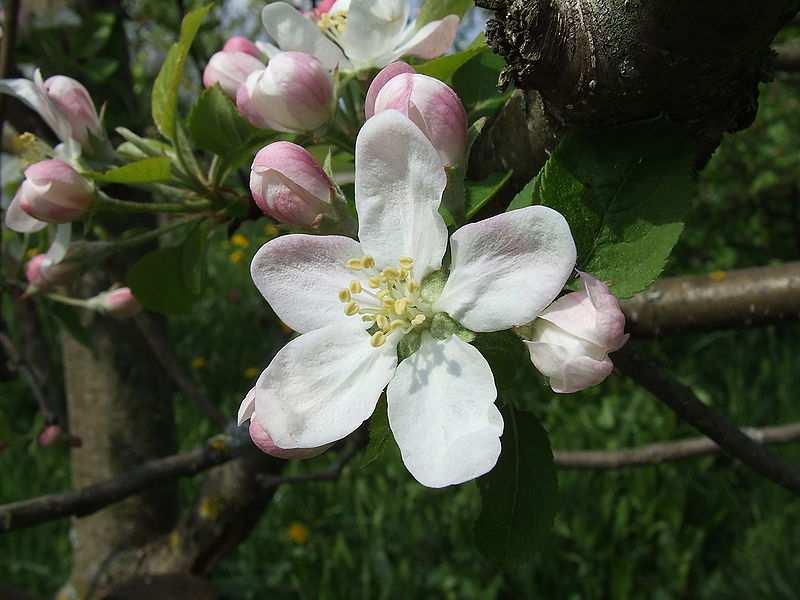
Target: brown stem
<point x="683" y="401"/>
<point x="737" y="298"/>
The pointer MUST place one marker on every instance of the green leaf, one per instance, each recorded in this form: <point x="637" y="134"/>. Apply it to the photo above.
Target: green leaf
<point x="170" y="280"/>
<point x="524" y="197"/>
<point x="510" y="362"/>
<point x="444" y="67"/>
<point x="625" y="192"/>
<point x="148" y="170"/>
<point x="433" y="10"/>
<point x="481" y="192"/>
<point x="380" y="436"/>
<point x="475" y="82"/>
<point x="519" y="496"/>
<point x="165" y="89"/>
<point x="215" y="124"/>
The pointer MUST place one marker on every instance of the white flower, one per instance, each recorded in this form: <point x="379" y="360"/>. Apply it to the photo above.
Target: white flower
<point x="357" y="34"/>
<point x="353" y="302"/>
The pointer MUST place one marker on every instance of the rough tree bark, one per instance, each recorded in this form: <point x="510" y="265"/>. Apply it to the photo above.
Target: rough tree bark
<point x="602" y="62"/>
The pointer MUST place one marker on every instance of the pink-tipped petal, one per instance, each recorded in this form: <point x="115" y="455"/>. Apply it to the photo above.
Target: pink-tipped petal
<point x="381" y="79"/>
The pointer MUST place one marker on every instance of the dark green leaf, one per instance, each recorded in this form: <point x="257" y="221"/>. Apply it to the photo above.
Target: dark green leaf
<point x="519" y="496"/>
<point x="149" y="170"/>
<point x="170" y="280"/>
<point x="625" y="192"/>
<point x="510" y="362"/>
<point x="481" y="192"/>
<point x="433" y="10"/>
<point x="475" y="82"/>
<point x="380" y="436"/>
<point x="165" y="89"/>
<point x="524" y="197"/>
<point x="216" y="125"/>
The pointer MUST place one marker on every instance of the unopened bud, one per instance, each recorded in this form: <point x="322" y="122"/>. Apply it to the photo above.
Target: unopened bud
<point x="241" y="44"/>
<point x="289" y="185"/>
<point x="119" y="303"/>
<point x="54" y="192"/>
<point x="293" y="94"/>
<point x="76" y="105"/>
<point x="49" y="435"/>
<point x="432" y="105"/>
<point x="230" y="70"/>
<point x="42" y="274"/>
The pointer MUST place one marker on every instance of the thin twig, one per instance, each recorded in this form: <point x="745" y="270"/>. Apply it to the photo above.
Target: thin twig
<point x="655" y="454"/>
<point x="683" y="401"/>
<point x="160" y="348"/>
<point x="28" y="374"/>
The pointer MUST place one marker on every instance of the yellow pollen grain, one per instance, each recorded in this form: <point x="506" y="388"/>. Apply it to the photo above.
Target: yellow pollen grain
<point x="418" y="320"/>
<point x="374" y="282"/>
<point x="391" y="273"/>
<point x="344" y="296"/>
<point x="355" y="264"/>
<point x="382" y="321"/>
<point x="368" y="318"/>
<point x="400" y="306"/>
<point x="368" y="262"/>
<point x="355" y="287"/>
<point x="378" y="339"/>
<point x="351" y="309"/>
<point x="406" y="262"/>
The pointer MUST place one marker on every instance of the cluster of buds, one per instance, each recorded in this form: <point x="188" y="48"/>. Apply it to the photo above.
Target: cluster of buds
<point x="293" y="93"/>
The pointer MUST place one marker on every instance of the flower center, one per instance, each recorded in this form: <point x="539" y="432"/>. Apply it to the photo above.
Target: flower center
<point x="391" y="301"/>
<point x="333" y="25"/>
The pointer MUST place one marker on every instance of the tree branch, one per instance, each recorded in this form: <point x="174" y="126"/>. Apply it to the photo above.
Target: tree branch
<point x="725" y="299"/>
<point x="787" y="57"/>
<point x="683" y="401"/>
<point x="655" y="454"/>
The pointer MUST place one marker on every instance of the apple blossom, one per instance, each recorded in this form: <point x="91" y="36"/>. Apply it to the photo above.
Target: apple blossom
<point x="54" y="192"/>
<point x="293" y="94"/>
<point x="77" y="106"/>
<point x="242" y="44"/>
<point x="119" y="303"/>
<point x="289" y="185"/>
<point x="357" y="34"/>
<point x="355" y="302"/>
<point x="572" y="338"/>
<point x="263" y="441"/>
<point x="42" y="272"/>
<point x="432" y="105"/>
<point x="67" y="111"/>
<point x="230" y="70"/>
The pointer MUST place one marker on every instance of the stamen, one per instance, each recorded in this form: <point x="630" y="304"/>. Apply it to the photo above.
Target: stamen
<point x="355" y="287"/>
<point x="400" y="306"/>
<point x="397" y="324"/>
<point x="378" y="339"/>
<point x="391" y="273"/>
<point x="368" y="262"/>
<point x="375" y="281"/>
<point x="351" y="309"/>
<point x="406" y="262"/>
<point x="355" y="264"/>
<point x="382" y="321"/>
<point x="413" y="287"/>
<point x="344" y="296"/>
<point x="418" y="320"/>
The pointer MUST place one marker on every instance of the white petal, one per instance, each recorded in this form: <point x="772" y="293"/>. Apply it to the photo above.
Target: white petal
<point x="432" y="40"/>
<point x="34" y="95"/>
<point x="399" y="186"/>
<point x="442" y="413"/>
<point x="374" y="28"/>
<point x="18" y="220"/>
<point x="248" y="407"/>
<point x="301" y="276"/>
<point x="292" y="31"/>
<point x="58" y="249"/>
<point x="268" y="50"/>
<point x="508" y="268"/>
<point x="322" y="385"/>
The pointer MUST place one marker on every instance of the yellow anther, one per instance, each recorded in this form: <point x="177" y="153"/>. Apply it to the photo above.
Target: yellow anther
<point x="351" y="309"/>
<point x="391" y="273"/>
<point x="406" y="262"/>
<point x="368" y="318"/>
<point x="397" y="324"/>
<point x="378" y="339"/>
<point x="418" y="320"/>
<point x="382" y="321"/>
<point x="413" y="287"/>
<point x="344" y="296"/>
<point x="355" y="287"/>
<point x="375" y="282"/>
<point x="400" y="306"/>
<point x="368" y="262"/>
<point x="355" y="264"/>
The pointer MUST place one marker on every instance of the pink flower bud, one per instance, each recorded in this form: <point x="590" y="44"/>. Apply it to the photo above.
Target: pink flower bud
<point x="42" y="274"/>
<point x="293" y="94"/>
<point x="49" y="435"/>
<point x="431" y="105"/>
<point x="573" y="336"/>
<point x="289" y="185"/>
<point x="381" y="79"/>
<point x="262" y="439"/>
<point x="77" y="106"/>
<point x="54" y="192"/>
<point x="119" y="303"/>
<point x="242" y="44"/>
<point x="230" y="70"/>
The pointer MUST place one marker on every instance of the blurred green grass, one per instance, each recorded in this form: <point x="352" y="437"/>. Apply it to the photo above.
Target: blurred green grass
<point x="705" y="528"/>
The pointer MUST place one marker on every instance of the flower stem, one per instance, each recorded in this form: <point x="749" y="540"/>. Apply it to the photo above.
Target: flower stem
<point x="69" y="301"/>
<point x="108" y="204"/>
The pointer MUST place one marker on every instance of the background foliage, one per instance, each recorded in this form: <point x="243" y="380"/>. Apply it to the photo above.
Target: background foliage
<point x="704" y="529"/>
